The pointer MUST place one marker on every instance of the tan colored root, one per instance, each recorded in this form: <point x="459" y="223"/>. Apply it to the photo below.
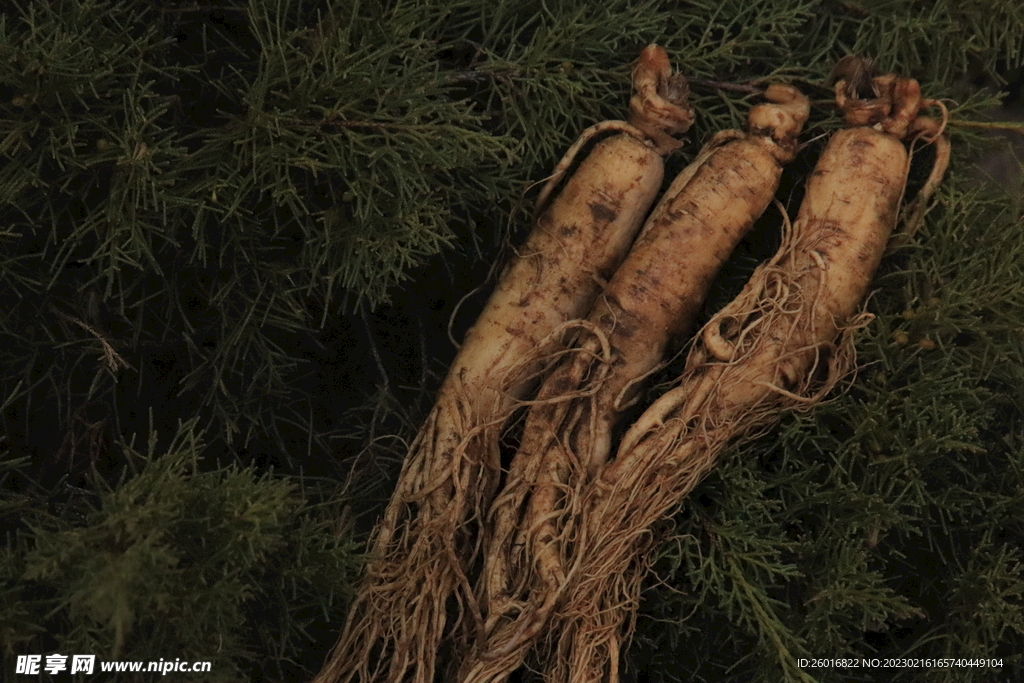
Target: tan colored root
<point x="567" y="436"/>
<point x="892" y="104"/>
<point x="783" y="344"/>
<point x="393" y="628"/>
<point x="510" y="573"/>
<point x="931" y="131"/>
<point x="415" y="595"/>
<point x="566" y="162"/>
<point x="658" y="111"/>
<point x="778" y="321"/>
<point x="425" y="538"/>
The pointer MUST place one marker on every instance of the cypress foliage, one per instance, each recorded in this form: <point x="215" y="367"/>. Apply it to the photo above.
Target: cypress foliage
<point x="221" y="224"/>
<point x="176" y="562"/>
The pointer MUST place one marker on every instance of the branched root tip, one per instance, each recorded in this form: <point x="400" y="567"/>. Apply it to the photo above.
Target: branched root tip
<point x="716" y="344"/>
<point x="919" y="206"/>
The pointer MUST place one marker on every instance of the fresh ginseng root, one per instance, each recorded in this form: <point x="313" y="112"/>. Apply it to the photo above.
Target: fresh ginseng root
<point x="427" y="540"/>
<point x="782" y="344"/>
<point x="651" y="300"/>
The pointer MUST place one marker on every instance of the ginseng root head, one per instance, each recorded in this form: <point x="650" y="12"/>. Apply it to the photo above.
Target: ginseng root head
<point x="660" y="104"/>
<point x="780" y="119"/>
<point x="858" y="77"/>
<point x="889" y="102"/>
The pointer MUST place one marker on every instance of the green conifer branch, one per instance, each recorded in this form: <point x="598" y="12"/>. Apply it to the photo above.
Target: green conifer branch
<point x="193" y="198"/>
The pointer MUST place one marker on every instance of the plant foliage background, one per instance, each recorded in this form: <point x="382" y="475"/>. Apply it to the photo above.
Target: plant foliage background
<point x="231" y="239"/>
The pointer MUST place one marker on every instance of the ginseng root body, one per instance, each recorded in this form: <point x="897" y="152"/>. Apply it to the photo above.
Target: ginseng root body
<point x="417" y="575"/>
<point x="652" y="299"/>
<point x="782" y="344"/>
<point x="832" y="252"/>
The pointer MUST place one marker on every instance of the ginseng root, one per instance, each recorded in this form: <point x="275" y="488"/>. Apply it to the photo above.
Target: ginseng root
<point x="783" y="344"/>
<point x="416" y="577"/>
<point x="652" y="299"/>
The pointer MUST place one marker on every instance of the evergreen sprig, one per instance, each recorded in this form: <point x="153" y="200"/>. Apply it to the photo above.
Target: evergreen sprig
<point x="174" y="555"/>
<point x="242" y="214"/>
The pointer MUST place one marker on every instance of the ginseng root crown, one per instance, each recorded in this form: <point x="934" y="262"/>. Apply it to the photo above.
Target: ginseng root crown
<point x="780" y="120"/>
<point x="888" y="102"/>
<point x="660" y="104"/>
